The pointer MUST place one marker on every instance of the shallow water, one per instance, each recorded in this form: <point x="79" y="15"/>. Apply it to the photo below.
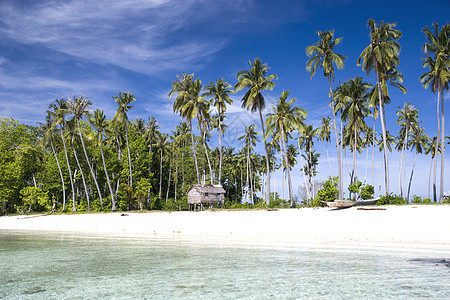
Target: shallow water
<point x="78" y="266"/>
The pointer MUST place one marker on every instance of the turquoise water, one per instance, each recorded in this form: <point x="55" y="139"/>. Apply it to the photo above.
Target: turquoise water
<point x="69" y="266"/>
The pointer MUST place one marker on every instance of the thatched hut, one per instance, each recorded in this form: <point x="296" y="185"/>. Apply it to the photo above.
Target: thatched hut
<point x="204" y="194"/>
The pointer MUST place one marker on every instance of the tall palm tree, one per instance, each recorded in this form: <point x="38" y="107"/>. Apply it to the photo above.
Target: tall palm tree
<point x="354" y="94"/>
<point x="123" y="101"/>
<point x="323" y="56"/>
<point x="48" y="129"/>
<point x="250" y="138"/>
<point x="98" y="120"/>
<point x="162" y="142"/>
<point x="325" y="136"/>
<point x="283" y="119"/>
<point x="419" y="142"/>
<point x="60" y="110"/>
<point x="220" y="92"/>
<point x="434" y="149"/>
<point x="183" y="87"/>
<point x="257" y="81"/>
<point x="306" y="140"/>
<point x="408" y="119"/>
<point x="438" y="77"/>
<point x="380" y="56"/>
<point x="79" y="107"/>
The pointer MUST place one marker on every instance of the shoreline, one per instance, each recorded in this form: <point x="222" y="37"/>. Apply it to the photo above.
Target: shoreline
<point x="402" y="226"/>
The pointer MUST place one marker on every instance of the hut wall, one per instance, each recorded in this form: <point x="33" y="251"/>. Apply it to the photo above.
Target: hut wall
<point x="194" y="197"/>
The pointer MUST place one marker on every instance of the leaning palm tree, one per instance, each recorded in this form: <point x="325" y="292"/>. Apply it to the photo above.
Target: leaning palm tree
<point x="60" y="110"/>
<point x="99" y="122"/>
<point x="380" y="56"/>
<point x="220" y="92"/>
<point x="283" y="119"/>
<point x="257" y="81"/>
<point x="438" y="77"/>
<point x="325" y="136"/>
<point x="408" y="119"/>
<point x="323" y="56"/>
<point x="79" y="107"/>
<point x="48" y="130"/>
<point x="123" y="101"/>
<point x="250" y="138"/>
<point x="419" y="142"/>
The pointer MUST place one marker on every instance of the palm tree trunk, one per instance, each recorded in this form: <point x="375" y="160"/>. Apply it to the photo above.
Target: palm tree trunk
<point x="302" y="166"/>
<point x="435" y="198"/>
<point x="328" y="158"/>
<point x="441" y="196"/>
<point x="267" y="158"/>
<point x="248" y="171"/>
<point x="291" y="195"/>
<point x="194" y="152"/>
<point x="220" y="153"/>
<point x="338" y="144"/>
<point x="411" y="177"/>
<point x="129" y="155"/>
<point x="84" y="181"/>
<point x="160" y="173"/>
<point x="113" y="201"/>
<point x="355" y="174"/>
<point x="383" y="127"/>
<point x="211" y="179"/>
<point x="60" y="174"/>
<point x="68" y="164"/>
<point x="168" y="182"/>
<point x="373" y="152"/>
<point x="89" y="165"/>
<point x="429" y="176"/>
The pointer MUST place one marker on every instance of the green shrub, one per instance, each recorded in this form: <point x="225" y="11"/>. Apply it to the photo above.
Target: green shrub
<point x="418" y="200"/>
<point x="329" y="192"/>
<point x="391" y="199"/>
<point x="172" y="205"/>
<point x="365" y="191"/>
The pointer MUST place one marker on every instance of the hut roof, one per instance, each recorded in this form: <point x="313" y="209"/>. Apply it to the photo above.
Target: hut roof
<point x="207" y="188"/>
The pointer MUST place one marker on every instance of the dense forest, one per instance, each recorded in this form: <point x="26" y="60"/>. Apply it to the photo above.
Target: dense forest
<point x="78" y="160"/>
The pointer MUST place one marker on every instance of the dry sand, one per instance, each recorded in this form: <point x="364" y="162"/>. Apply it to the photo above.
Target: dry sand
<point x="404" y="225"/>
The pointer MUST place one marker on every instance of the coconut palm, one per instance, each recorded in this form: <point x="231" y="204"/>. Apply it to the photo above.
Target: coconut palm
<point x="48" y="130"/>
<point x="381" y="56"/>
<point x="220" y="92"/>
<point x="257" y="81"/>
<point x="162" y="143"/>
<point x="355" y="111"/>
<point x="123" y="101"/>
<point x="306" y="141"/>
<point x="438" y="77"/>
<point x="419" y="142"/>
<point x="408" y="119"/>
<point x="434" y="149"/>
<point x="79" y="107"/>
<point x="250" y="138"/>
<point x="183" y="87"/>
<point x="100" y="124"/>
<point x="283" y="119"/>
<point x="325" y="136"/>
<point x="60" y="110"/>
<point x="323" y="56"/>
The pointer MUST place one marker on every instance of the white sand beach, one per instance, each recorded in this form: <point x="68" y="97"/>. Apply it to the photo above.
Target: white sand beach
<point x="418" y="224"/>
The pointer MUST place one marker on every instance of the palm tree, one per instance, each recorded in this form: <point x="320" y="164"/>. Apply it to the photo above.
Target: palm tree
<point x="79" y="107"/>
<point x="325" y="136"/>
<point x="98" y="120"/>
<point x="306" y="140"/>
<point x="283" y="119"/>
<point x="183" y="87"/>
<point x="419" y="141"/>
<point x="381" y="55"/>
<point x="324" y="57"/>
<point x="250" y="138"/>
<point x="60" y="109"/>
<point x="354" y="96"/>
<point x="48" y="129"/>
<point x="408" y="120"/>
<point x="123" y="101"/>
<point x="438" y="77"/>
<point x="162" y="142"/>
<point x="434" y="149"/>
<point x="220" y="93"/>
<point x="257" y="81"/>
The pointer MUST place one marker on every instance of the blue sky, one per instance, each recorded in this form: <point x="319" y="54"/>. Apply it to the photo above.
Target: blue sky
<point x="55" y="49"/>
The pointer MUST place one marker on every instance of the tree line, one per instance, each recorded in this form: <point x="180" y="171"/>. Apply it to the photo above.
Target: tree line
<point x="77" y="159"/>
